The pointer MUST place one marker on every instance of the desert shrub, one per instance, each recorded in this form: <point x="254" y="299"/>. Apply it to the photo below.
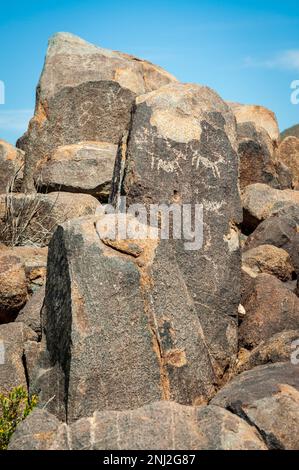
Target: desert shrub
<point x="14" y="407"/>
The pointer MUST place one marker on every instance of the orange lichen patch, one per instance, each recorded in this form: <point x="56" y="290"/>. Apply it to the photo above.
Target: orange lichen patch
<point x="129" y="247"/>
<point x="41" y="114"/>
<point x="79" y="313"/>
<point x="199" y="401"/>
<point x="175" y="357"/>
<point x="289" y="390"/>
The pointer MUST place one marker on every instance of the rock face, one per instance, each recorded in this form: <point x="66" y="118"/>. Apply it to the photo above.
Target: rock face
<point x="11" y="166"/>
<point x="32" y="218"/>
<point x="12" y="340"/>
<point x="281" y="231"/>
<point x="120" y="325"/>
<point x="182" y="149"/>
<point x="260" y="116"/>
<point x="268" y="259"/>
<point x="267" y="397"/>
<point x="279" y="348"/>
<point x="159" y="426"/>
<point x="270" y="308"/>
<point x="261" y="201"/>
<point x="255" y="149"/>
<point x="30" y="315"/>
<point x="288" y="153"/>
<point x="86" y="167"/>
<point x="13" y="286"/>
<point x="84" y="93"/>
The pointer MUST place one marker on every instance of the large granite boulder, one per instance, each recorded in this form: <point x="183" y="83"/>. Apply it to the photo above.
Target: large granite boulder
<point x="158" y="426"/>
<point x="259" y="115"/>
<point x="181" y="149"/>
<point x="120" y="326"/>
<point x="13" y="337"/>
<point x="270" y="308"/>
<point x="261" y="201"/>
<point x="267" y="397"/>
<point x="84" y="93"/>
<point x="86" y="167"/>
<point x="268" y="259"/>
<point x="11" y="167"/>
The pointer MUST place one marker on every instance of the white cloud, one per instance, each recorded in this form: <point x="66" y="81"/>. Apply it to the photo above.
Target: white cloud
<point x="15" y="119"/>
<point x="288" y="60"/>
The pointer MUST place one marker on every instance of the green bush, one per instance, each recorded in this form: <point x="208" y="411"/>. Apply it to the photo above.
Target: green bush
<point x="14" y="407"/>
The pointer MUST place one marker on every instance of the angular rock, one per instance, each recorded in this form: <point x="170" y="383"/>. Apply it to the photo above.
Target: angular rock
<point x="84" y="93"/>
<point x="266" y="397"/>
<point x="279" y="230"/>
<point x="86" y="167"/>
<point x="268" y="259"/>
<point x="260" y="116"/>
<point x="30" y="219"/>
<point x="182" y="149"/>
<point x="279" y="348"/>
<point x="30" y="315"/>
<point x="159" y="426"/>
<point x="270" y="308"/>
<point x="261" y="201"/>
<point x="11" y="167"/>
<point x="13" y="286"/>
<point x="288" y="153"/>
<point x="284" y="175"/>
<point x="12" y="340"/>
<point x="120" y="327"/>
<point x="255" y="149"/>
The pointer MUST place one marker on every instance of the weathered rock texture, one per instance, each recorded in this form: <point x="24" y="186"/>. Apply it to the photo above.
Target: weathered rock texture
<point x="262" y="117"/>
<point x="84" y="93"/>
<point x="288" y="153"/>
<point x="30" y="219"/>
<point x="270" y="308"/>
<point x="120" y="325"/>
<point x="13" y="337"/>
<point x="11" y="167"/>
<point x="86" y="167"/>
<point x="182" y="149"/>
<point x="268" y="259"/>
<point x="267" y="397"/>
<point x="159" y="426"/>
<point x="30" y="315"/>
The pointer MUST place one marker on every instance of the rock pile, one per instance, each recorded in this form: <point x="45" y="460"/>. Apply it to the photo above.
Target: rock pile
<point x="141" y="340"/>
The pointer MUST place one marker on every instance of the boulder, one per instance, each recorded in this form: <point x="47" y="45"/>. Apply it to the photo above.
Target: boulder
<point x="86" y="167"/>
<point x="291" y="131"/>
<point x="261" y="201"/>
<point x="13" y="337"/>
<point x="181" y="150"/>
<point x="279" y="348"/>
<point x="30" y="219"/>
<point x="270" y="308"/>
<point x="260" y="116"/>
<point x="279" y="230"/>
<point x="255" y="150"/>
<point x="288" y="153"/>
<point x="30" y="315"/>
<point x="85" y="93"/>
<point x="11" y="167"/>
<point x="120" y="326"/>
<point x="268" y="398"/>
<point x="268" y="259"/>
<point x="13" y="286"/>
<point x="158" y="426"/>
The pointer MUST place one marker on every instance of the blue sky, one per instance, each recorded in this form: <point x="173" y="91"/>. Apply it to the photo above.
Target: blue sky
<point x="246" y="51"/>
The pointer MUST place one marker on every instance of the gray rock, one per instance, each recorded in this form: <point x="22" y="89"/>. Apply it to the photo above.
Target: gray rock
<point x="30" y="315"/>
<point x="84" y="93"/>
<point x="86" y="167"/>
<point x="181" y="149"/>
<point x="266" y="397"/>
<point x="13" y="337"/>
<point x="158" y="426"/>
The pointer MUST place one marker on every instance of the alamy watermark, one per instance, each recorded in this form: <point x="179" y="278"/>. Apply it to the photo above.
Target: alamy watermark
<point x="295" y="92"/>
<point x="2" y="352"/>
<point x="163" y="221"/>
<point x="2" y="92"/>
<point x="295" y="353"/>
